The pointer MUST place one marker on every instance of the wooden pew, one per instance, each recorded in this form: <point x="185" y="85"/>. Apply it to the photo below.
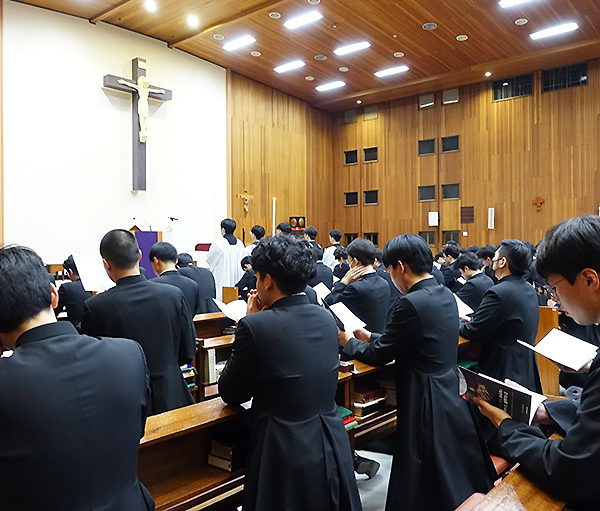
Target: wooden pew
<point x="549" y="372"/>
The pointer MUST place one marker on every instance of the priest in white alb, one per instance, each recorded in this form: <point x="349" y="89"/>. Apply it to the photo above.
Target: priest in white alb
<point x="224" y="257"/>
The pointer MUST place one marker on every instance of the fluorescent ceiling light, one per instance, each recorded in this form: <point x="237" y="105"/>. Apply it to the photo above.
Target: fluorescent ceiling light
<point x="509" y="3"/>
<point x="289" y="66"/>
<point x="391" y="71"/>
<point x="303" y="19"/>
<point x="344" y="50"/>
<point x="556" y="30"/>
<point x="240" y="42"/>
<point x="330" y="85"/>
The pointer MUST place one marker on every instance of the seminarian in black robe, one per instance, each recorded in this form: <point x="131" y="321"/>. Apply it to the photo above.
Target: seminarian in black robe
<point x="188" y="287"/>
<point x="71" y="296"/>
<point x="286" y="358"/>
<point x="340" y="270"/>
<point x="565" y="468"/>
<point x="440" y="459"/>
<point x="474" y="289"/>
<point x="156" y="316"/>
<point x="451" y="276"/>
<point x="324" y="274"/>
<point x="394" y="291"/>
<point x="206" y="285"/>
<point x="72" y="412"/>
<point x="368" y="298"/>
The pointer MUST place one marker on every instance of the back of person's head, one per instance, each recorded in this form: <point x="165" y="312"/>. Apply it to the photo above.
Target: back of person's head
<point x="336" y="235"/>
<point x="311" y="232"/>
<point x="284" y="227"/>
<point x="409" y="249"/>
<point x="379" y="255"/>
<point x="69" y="264"/>
<point x="362" y="250"/>
<point x="438" y="255"/>
<point x="163" y="251"/>
<point x="245" y="260"/>
<point x="228" y="225"/>
<point x="451" y="250"/>
<point x="487" y="251"/>
<point x="287" y="260"/>
<point x="340" y="253"/>
<point x="531" y="247"/>
<point x="473" y="248"/>
<point x="184" y="259"/>
<point x="468" y="260"/>
<point x="120" y="248"/>
<point x="517" y="254"/>
<point x="569" y="247"/>
<point x="258" y="231"/>
<point x="452" y="242"/>
<point x="24" y="287"/>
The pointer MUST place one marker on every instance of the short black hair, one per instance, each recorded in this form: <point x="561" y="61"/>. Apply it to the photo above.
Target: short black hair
<point x="311" y="232"/>
<point x="518" y="255"/>
<point x="340" y="253"/>
<point x="363" y="250"/>
<point x="336" y="235"/>
<point x="284" y="227"/>
<point x="468" y="259"/>
<point x="438" y="255"/>
<point x="379" y="255"/>
<point x="69" y="264"/>
<point x="163" y="251"/>
<point x="184" y="259"/>
<point x="287" y="260"/>
<point x="452" y="242"/>
<point x="245" y="260"/>
<point x="229" y="225"/>
<point x="487" y="251"/>
<point x="452" y="251"/>
<point x="24" y="287"/>
<point x="410" y="249"/>
<point x="120" y="248"/>
<point x="569" y="247"/>
<point x="473" y="248"/>
<point x="258" y="231"/>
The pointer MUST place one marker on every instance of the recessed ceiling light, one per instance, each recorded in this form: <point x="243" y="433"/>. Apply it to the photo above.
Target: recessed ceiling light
<point x="395" y="36"/>
<point x="255" y="53"/>
<point x="429" y="26"/>
<point x="303" y="19"/>
<point x="509" y="3"/>
<point x="521" y="21"/>
<point x="350" y="48"/>
<point x="334" y="26"/>
<point x="314" y="2"/>
<point x="192" y="21"/>
<point x="274" y="15"/>
<point x="391" y="71"/>
<point x="309" y="78"/>
<point x="487" y="74"/>
<point x="399" y="54"/>
<point x="505" y="84"/>
<point x="344" y="69"/>
<point x="330" y="86"/>
<point x="556" y="30"/>
<point x="150" y="5"/>
<point x="295" y="64"/>
<point x="240" y="42"/>
<point x="219" y="37"/>
<point x="462" y="37"/>
<point x="320" y="57"/>
<point x="358" y="101"/>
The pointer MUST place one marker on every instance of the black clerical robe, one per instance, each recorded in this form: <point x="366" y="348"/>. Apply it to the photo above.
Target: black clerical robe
<point x="246" y="284"/>
<point x="71" y="296"/>
<point x="451" y="276"/>
<point x="324" y="274"/>
<point x="286" y="358"/>
<point x="72" y="412"/>
<point x="156" y="316"/>
<point x="395" y="293"/>
<point x="188" y="287"/>
<point x="440" y="457"/>
<point x="340" y="270"/>
<point x="474" y="289"/>
<point x="206" y="287"/>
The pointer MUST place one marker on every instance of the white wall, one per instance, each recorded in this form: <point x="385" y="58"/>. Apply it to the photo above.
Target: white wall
<point x="67" y="141"/>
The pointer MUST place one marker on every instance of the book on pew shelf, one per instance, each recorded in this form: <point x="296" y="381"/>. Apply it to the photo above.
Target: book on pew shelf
<point x="521" y="405"/>
<point x="222" y="463"/>
<point x="463" y="308"/>
<point x="367" y="393"/>
<point x="233" y="310"/>
<point x="564" y="349"/>
<point x="350" y="423"/>
<point x="344" y="412"/>
<point x="364" y="409"/>
<point x="210" y="375"/>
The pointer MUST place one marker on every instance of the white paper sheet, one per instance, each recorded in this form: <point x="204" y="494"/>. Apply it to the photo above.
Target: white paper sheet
<point x="92" y="273"/>
<point x="322" y="291"/>
<point x="463" y="308"/>
<point x="345" y="315"/>
<point x="233" y="310"/>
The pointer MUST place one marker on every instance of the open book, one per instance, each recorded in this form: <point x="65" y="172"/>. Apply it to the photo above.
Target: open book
<point x="564" y="349"/>
<point x="233" y="310"/>
<point x="521" y="404"/>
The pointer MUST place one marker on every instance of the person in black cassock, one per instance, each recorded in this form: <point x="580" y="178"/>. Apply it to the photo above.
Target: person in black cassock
<point x="153" y="314"/>
<point x="440" y="457"/>
<point x="323" y="273"/>
<point x="477" y="283"/>
<point x="72" y="407"/>
<point x="71" y="295"/>
<point x="486" y="254"/>
<point x="342" y="267"/>
<point x="569" y="259"/>
<point x="451" y="274"/>
<point x="163" y="257"/>
<point x="248" y="281"/>
<point x="285" y="357"/>
<point x="205" y="280"/>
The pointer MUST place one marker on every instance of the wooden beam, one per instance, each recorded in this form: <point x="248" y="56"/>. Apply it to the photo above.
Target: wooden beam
<point x="108" y="12"/>
<point x="268" y="4"/>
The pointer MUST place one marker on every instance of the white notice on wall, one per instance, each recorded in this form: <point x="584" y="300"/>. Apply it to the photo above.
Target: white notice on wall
<point x="92" y="273"/>
<point x="433" y="218"/>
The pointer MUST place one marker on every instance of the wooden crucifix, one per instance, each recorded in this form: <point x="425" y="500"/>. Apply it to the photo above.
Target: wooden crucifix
<point x="140" y="88"/>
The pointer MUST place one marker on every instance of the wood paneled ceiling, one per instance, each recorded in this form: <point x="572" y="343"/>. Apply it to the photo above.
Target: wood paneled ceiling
<point x="435" y="58"/>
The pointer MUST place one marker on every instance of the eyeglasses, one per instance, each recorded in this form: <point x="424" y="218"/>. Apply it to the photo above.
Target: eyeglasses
<point x="550" y="289"/>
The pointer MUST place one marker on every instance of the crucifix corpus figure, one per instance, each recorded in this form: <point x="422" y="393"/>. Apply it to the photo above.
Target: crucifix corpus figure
<point x="143" y="89"/>
<point x="246" y="198"/>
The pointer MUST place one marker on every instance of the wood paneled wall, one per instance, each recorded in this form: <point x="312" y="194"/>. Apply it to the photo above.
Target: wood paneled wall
<point x="511" y="152"/>
<point x="279" y="147"/>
